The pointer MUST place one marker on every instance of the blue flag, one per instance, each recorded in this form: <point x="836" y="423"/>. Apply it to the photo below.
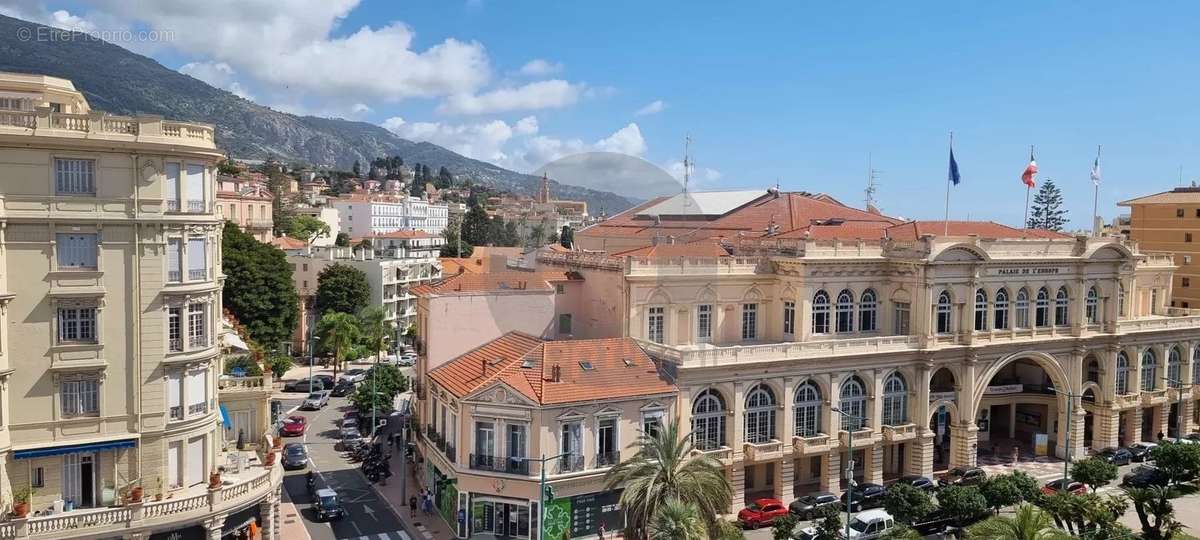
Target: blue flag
<point x="954" y="176"/>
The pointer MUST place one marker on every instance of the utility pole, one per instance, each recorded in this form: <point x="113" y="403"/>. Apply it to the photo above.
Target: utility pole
<point x="542" y="488"/>
<point x="850" y="461"/>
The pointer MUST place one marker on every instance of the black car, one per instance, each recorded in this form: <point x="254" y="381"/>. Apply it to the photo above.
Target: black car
<point x="806" y="507"/>
<point x="294" y="456"/>
<point x="328" y="505"/>
<point x="1139" y="452"/>
<point x="938" y="521"/>
<point x="863" y="496"/>
<point x="917" y="481"/>
<point x="342" y="388"/>
<point x="1145" y="476"/>
<point x="302" y="385"/>
<point x="1116" y="456"/>
<point x="1193" y="436"/>
<point x="963" y="476"/>
<point x="326" y="380"/>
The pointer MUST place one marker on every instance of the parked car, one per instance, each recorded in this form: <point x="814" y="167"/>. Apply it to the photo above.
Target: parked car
<point x="1141" y="451"/>
<point x="1073" y="487"/>
<point x="350" y="423"/>
<point x="302" y="385"/>
<point x="938" y="521"/>
<point x="406" y="359"/>
<point x="328" y="505"/>
<point x="315" y="401"/>
<point x="293" y="426"/>
<point x="917" y="481"/>
<point x="388" y="359"/>
<point x="294" y="456"/>
<point x="806" y="507"/>
<point x="342" y="389"/>
<point x="1116" y="456"/>
<point x="761" y="513"/>
<point x="326" y="380"/>
<point x="963" y="476"/>
<point x="1145" y="476"/>
<point x="354" y="375"/>
<point x="862" y="496"/>
<point x="348" y="439"/>
<point x="871" y="524"/>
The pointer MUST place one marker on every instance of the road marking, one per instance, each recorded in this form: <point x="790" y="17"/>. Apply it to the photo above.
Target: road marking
<point x="369" y="511"/>
<point x="385" y="536"/>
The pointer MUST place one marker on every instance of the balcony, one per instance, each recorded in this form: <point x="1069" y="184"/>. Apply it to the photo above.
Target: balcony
<point x="816" y="444"/>
<point x="197" y="342"/>
<point x="195" y="206"/>
<point x="1122" y="401"/>
<point x="197" y="274"/>
<point x="1153" y="397"/>
<point x="228" y="384"/>
<point x="901" y="433"/>
<point x="499" y="464"/>
<point x="724" y="454"/>
<point x="570" y="463"/>
<point x="101" y="126"/>
<point x="707" y="355"/>
<point x="259" y="224"/>
<point x="184" y="508"/>
<point x="174" y="276"/>
<point x="172" y="205"/>
<point x="607" y="459"/>
<point x="450" y="451"/>
<point x="862" y="438"/>
<point x="1175" y="319"/>
<point x="764" y="451"/>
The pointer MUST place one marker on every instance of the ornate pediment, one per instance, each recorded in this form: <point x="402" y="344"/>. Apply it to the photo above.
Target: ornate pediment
<point x="501" y="394"/>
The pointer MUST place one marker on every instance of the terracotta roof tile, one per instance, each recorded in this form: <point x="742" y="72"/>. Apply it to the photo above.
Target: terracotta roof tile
<point x="466" y="283"/>
<point x="701" y="248"/>
<point x="985" y="229"/>
<point x="616" y="368"/>
<point x="287" y="242"/>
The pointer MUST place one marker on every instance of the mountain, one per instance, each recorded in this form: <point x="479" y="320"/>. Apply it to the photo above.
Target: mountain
<point x="121" y="82"/>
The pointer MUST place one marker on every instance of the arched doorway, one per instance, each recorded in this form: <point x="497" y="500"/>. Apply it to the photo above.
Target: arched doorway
<point x="943" y="413"/>
<point x="1089" y="405"/>
<point x="1019" y="407"/>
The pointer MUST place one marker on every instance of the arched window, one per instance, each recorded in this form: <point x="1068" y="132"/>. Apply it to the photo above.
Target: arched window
<point x="808" y="410"/>
<point x="1149" y="370"/>
<point x="760" y="415"/>
<point x="1093" y="306"/>
<point x="895" y="401"/>
<point x="1022" y="309"/>
<point x="820" y="313"/>
<point x="1122" y="373"/>
<point x="708" y="421"/>
<point x="981" y="310"/>
<point x="853" y="404"/>
<point x="1061" y="300"/>
<point x="1041" y="310"/>
<point x="1001" y="316"/>
<point x="845" y="312"/>
<point x="943" y="313"/>
<point x="1173" y="367"/>
<point x="868" y="310"/>
<point x="1120" y="300"/>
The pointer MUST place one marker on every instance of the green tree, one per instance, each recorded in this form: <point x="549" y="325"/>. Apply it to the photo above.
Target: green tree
<point x="1155" y="512"/>
<point x="829" y="524"/>
<point x="338" y="331"/>
<point x="553" y="237"/>
<point x="444" y="179"/>
<point x="258" y="287"/>
<point x="901" y="532"/>
<point x="907" y="503"/>
<point x="376" y="329"/>
<point x="307" y="228"/>
<point x="1008" y="489"/>
<point x="1028" y="523"/>
<point x="228" y="168"/>
<point x="567" y="237"/>
<point x="1094" y="471"/>
<point x="1179" y="461"/>
<point x="244" y="363"/>
<point x="476" y="226"/>
<point x="279" y="364"/>
<point x="342" y="240"/>
<point x="665" y="467"/>
<point x="455" y="245"/>
<point x="728" y="530"/>
<point x="962" y="501"/>
<point x="1047" y="211"/>
<point x="357" y="168"/>
<point x="783" y="527"/>
<point x="341" y="287"/>
<point x="677" y="520"/>
<point x="537" y="233"/>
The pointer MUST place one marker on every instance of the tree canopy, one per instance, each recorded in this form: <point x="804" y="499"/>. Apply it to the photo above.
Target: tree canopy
<point x="258" y="287"/>
<point x="1047" y="211"/>
<point x="1094" y="472"/>
<point x="342" y="288"/>
<point x="307" y="228"/>
<point x="907" y="503"/>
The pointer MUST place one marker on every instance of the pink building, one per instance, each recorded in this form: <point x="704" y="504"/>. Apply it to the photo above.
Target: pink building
<point x="247" y="203"/>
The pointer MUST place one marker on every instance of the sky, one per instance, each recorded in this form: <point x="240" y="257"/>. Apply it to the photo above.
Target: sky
<point x="799" y="93"/>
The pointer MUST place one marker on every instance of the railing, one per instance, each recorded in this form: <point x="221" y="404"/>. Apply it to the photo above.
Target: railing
<point x="69" y="122"/>
<point x="137" y="128"/>
<point x="71" y="521"/>
<point x="719" y="453"/>
<point x="176" y="412"/>
<point x="608" y="459"/>
<point x="762" y="450"/>
<point x="900" y="432"/>
<point x="172" y="205"/>
<point x="241" y="384"/>
<point x="175" y="345"/>
<point x="451" y="454"/>
<point x="197" y="408"/>
<point x="197" y="342"/>
<point x="18" y="119"/>
<point x="734" y="354"/>
<point x="1158" y="323"/>
<point x="174" y="276"/>
<point x="118" y="124"/>
<point x="197" y="273"/>
<point x="499" y="464"/>
<point x="177" y="506"/>
<point x="812" y="443"/>
<point x="195" y="206"/>
<point x="570" y="463"/>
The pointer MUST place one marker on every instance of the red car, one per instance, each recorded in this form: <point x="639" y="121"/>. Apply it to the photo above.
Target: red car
<point x="293" y="426"/>
<point x="1073" y="487"/>
<point x="762" y="513"/>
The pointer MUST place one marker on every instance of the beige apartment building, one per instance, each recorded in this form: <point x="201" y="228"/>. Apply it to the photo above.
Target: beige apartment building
<point x="109" y="358"/>
<point x="488" y="412"/>
<point x="1167" y="222"/>
<point x="248" y="204"/>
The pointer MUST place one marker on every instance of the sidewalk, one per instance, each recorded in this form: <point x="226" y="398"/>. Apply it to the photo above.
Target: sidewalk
<point x="427" y="527"/>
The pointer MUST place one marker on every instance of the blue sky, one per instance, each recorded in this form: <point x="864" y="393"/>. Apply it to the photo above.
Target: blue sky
<point x="799" y="92"/>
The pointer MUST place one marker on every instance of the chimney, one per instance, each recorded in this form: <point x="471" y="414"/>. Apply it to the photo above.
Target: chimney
<point x="556" y="373"/>
<point x="483" y="365"/>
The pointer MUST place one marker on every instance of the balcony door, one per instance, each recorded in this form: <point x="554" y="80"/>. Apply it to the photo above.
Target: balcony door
<point x="79" y="479"/>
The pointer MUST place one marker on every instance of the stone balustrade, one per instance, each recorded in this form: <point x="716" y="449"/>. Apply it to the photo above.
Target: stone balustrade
<point x="141" y="129"/>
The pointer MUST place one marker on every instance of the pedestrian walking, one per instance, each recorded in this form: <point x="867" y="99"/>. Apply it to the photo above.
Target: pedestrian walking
<point x="1016" y="454"/>
<point x="600" y="533"/>
<point x="412" y="506"/>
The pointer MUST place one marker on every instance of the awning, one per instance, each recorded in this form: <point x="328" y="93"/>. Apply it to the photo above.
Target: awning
<point x="225" y="417"/>
<point x="74" y="449"/>
<point x="234" y="341"/>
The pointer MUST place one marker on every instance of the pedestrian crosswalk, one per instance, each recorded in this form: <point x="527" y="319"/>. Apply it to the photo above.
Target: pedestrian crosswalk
<point x="393" y="535"/>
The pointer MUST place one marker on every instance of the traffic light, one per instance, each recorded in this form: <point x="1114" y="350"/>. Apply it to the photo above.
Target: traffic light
<point x="549" y="493"/>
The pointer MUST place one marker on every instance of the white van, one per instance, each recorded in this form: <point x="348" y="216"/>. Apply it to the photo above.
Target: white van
<point x="870" y="524"/>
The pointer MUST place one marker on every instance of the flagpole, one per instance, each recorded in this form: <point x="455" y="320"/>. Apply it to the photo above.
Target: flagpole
<point x="1096" y="196"/>
<point x="946" y="222"/>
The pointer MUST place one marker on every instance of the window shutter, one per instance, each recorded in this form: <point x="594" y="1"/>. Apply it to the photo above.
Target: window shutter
<point x="195" y="183"/>
<point x="174" y="247"/>
<point x="174" y="397"/>
<point x="172" y="186"/>
<point x="196" y="255"/>
<point x="195" y="388"/>
<point x="174" y="450"/>
<point x="195" y="461"/>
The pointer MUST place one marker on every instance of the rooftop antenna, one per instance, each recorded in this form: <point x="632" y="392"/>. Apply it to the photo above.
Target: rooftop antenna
<point x="687" y="166"/>
<point x="872" y="178"/>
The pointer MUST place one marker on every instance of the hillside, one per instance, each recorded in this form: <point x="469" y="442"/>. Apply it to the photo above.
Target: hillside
<point x="121" y="82"/>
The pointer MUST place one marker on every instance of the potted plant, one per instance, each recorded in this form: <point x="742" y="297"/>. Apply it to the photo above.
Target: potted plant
<point x="135" y="494"/>
<point x="214" y="480"/>
<point x="270" y="459"/>
<point x="21" y="502"/>
<point x="158" y="496"/>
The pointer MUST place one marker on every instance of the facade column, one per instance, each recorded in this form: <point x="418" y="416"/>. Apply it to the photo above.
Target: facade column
<point x="213" y="526"/>
<point x="1186" y="408"/>
<point x="920" y="455"/>
<point x="873" y="468"/>
<point x="785" y="479"/>
<point x="964" y="444"/>
<point x="831" y="473"/>
<point x="737" y="482"/>
<point x="1162" y="415"/>
<point x="1105" y="428"/>
<point x="268" y="512"/>
<point x="1012" y="421"/>
<point x="1133" y="428"/>
<point x="738" y="437"/>
<point x="787" y="430"/>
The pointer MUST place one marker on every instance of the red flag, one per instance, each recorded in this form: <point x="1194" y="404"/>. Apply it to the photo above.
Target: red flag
<point x="1030" y="172"/>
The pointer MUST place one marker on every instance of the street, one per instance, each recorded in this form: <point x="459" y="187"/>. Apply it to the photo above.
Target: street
<point x="368" y="516"/>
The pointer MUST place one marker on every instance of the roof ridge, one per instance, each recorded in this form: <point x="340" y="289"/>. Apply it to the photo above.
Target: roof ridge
<point x="515" y="333"/>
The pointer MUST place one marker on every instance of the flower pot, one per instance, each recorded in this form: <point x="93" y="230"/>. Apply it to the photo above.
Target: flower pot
<point x="21" y="509"/>
<point x="136" y="493"/>
<point x="270" y="460"/>
<point x="277" y="442"/>
<point x="214" y="481"/>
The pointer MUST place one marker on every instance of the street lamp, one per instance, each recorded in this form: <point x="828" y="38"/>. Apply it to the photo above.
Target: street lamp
<point x="1067" y="438"/>
<point x="849" y="462"/>
<point x="542" y="487"/>
<point x="1179" y="386"/>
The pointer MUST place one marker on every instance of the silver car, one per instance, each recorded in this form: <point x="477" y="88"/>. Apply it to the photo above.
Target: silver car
<point x="315" y="401"/>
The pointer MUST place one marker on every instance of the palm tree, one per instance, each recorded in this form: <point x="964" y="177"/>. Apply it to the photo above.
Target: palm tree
<point x="1154" y="501"/>
<point x="376" y="329"/>
<point x="666" y="467"/>
<point x="677" y="520"/>
<point x="1028" y="523"/>
<point x="338" y="331"/>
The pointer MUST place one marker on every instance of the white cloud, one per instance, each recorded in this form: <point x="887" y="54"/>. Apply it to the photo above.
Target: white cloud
<point x="554" y="93"/>
<point x="218" y="74"/>
<point x="527" y="125"/>
<point x="360" y="108"/>
<point x="540" y="68"/>
<point x="654" y="107"/>
<point x="627" y="140"/>
<point x="705" y="174"/>
<point x="485" y="140"/>
<point x="65" y="20"/>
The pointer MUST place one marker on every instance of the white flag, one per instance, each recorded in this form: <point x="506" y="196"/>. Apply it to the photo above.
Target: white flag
<point x="1096" y="171"/>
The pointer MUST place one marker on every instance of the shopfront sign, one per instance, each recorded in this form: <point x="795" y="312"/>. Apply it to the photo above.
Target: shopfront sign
<point x="589" y="511"/>
<point x="1028" y="271"/>
<point x="1004" y="389"/>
